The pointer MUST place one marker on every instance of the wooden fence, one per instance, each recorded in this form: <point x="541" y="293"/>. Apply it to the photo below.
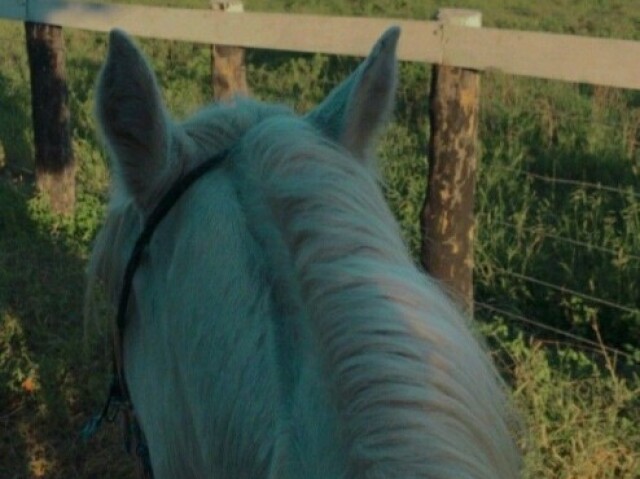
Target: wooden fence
<point x="572" y="58"/>
<point x="454" y="43"/>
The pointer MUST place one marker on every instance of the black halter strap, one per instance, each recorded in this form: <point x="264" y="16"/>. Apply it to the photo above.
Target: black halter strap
<point x="119" y="399"/>
<point x="157" y="215"/>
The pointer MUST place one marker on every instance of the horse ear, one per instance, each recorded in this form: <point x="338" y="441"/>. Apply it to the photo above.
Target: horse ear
<point x="354" y="112"/>
<point x="132" y="118"/>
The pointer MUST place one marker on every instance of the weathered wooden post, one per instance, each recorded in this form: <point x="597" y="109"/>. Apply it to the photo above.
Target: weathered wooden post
<point x="447" y="217"/>
<point x="54" y="161"/>
<point x="228" y="69"/>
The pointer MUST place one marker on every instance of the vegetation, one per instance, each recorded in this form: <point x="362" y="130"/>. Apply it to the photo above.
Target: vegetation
<point x="558" y="202"/>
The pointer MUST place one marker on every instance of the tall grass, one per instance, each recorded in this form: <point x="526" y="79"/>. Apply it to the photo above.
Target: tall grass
<point x="558" y="201"/>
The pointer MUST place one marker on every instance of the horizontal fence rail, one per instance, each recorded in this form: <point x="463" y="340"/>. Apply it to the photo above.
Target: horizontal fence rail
<point x="608" y="62"/>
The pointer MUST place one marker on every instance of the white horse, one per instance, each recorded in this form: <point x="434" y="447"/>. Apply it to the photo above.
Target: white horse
<point x="277" y="326"/>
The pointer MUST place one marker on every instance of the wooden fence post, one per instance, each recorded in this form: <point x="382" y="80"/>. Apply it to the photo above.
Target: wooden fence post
<point x="228" y="69"/>
<point x="447" y="216"/>
<point x="54" y="161"/>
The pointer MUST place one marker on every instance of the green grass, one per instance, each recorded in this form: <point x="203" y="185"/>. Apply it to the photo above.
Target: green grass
<point x="579" y="400"/>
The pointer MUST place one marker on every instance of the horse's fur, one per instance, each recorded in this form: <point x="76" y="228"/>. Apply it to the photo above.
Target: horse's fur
<point x="277" y="326"/>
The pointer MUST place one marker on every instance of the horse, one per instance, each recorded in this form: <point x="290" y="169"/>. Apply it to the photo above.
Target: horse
<point x="277" y="326"/>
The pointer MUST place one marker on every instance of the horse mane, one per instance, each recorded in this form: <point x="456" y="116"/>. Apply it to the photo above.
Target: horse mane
<point x="416" y="392"/>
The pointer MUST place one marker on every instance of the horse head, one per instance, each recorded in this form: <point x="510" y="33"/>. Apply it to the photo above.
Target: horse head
<point x="277" y="326"/>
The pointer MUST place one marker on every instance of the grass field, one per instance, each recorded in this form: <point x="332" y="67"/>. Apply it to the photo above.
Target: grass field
<point x="558" y="202"/>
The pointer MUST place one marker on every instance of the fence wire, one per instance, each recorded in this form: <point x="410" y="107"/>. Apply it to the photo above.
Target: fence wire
<point x="624" y="191"/>
<point x="582" y="184"/>
<point x="565" y="290"/>
<point x="571" y="241"/>
<point x="594" y="345"/>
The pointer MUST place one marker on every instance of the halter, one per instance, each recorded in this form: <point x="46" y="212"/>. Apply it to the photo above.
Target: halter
<point x="119" y="399"/>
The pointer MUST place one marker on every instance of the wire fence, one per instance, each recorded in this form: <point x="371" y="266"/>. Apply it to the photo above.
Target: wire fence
<point x="578" y="164"/>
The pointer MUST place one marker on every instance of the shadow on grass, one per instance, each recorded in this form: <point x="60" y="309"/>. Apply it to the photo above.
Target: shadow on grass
<point x="51" y="381"/>
<point x="15" y="126"/>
